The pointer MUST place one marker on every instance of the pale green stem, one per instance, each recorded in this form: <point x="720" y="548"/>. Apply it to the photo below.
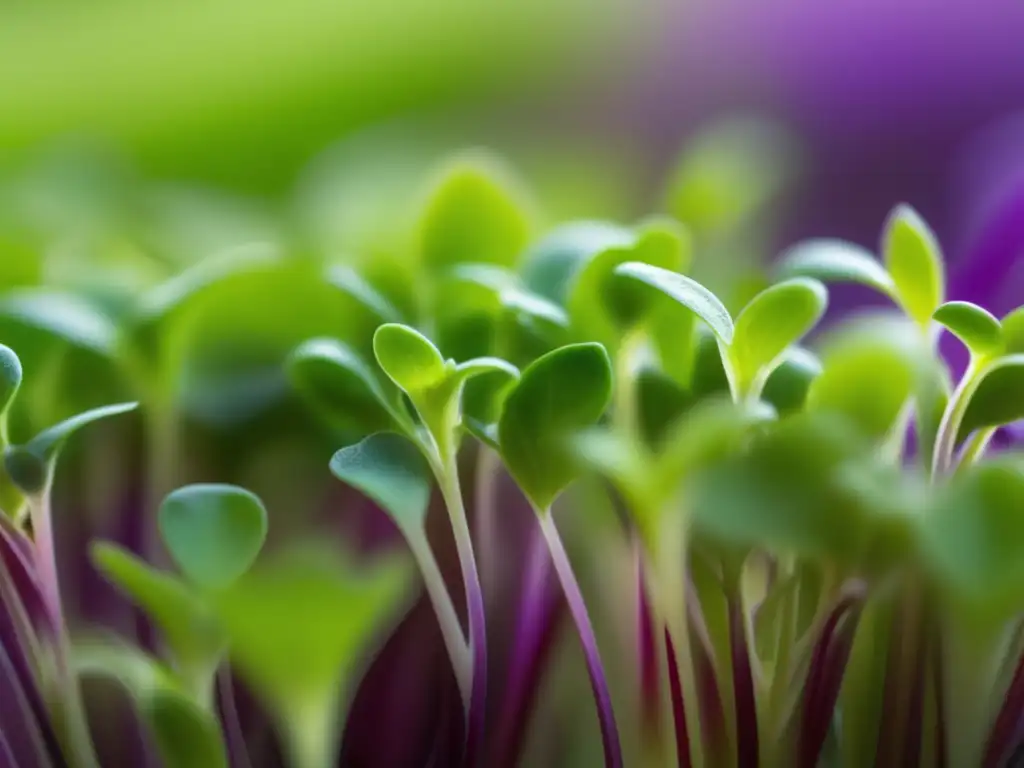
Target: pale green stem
<point x="447" y="618"/>
<point x="488" y="475"/>
<point x="975" y="448"/>
<point x="311" y="734"/>
<point x="669" y="754"/>
<point x="945" y="440"/>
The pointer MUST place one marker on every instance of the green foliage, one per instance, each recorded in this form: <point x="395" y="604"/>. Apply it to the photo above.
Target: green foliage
<point x="836" y="261"/>
<point x="976" y="327"/>
<point x="213" y="532"/>
<point x="995" y="400"/>
<point x="914" y="261"/>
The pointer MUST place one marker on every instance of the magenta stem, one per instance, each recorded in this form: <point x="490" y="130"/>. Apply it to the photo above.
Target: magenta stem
<point x="595" y="668"/>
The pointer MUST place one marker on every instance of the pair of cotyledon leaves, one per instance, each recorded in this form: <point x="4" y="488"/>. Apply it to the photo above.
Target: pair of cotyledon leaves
<point x="912" y="273"/>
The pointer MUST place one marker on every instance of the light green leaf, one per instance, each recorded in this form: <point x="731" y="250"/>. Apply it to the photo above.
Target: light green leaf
<point x="976" y="327"/>
<point x="835" y="261"/>
<point x="558" y="395"/>
<point x="997" y="398"/>
<point x="773" y="320"/>
<point x="188" y="626"/>
<point x="213" y="532"/>
<point x="475" y="212"/>
<point x="357" y="287"/>
<point x="390" y="470"/>
<point x="62" y="316"/>
<point x="10" y="382"/>
<point x="550" y="266"/>
<point x="914" y="260"/>
<point x="682" y="290"/>
<point x="409" y="358"/>
<point x="1013" y="331"/>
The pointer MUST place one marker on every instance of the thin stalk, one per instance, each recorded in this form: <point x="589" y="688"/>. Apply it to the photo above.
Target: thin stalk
<point x="488" y="473"/>
<point x="452" y="492"/>
<point x="447" y="618"/>
<point x="781" y="673"/>
<point x="595" y="668"/>
<point x="744" y="697"/>
<point x="311" y="741"/>
<point x="237" y="750"/>
<point x="945" y="440"/>
<point x="72" y="712"/>
<point x="975" y="448"/>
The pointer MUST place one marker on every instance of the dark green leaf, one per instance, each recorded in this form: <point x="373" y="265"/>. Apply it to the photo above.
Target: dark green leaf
<point x="62" y="316"/>
<point x="475" y="213"/>
<point x="976" y="327"/>
<point x="356" y="286"/>
<point x="213" y="532"/>
<point x="558" y="395"/>
<point x="914" y="260"/>
<point x="187" y="736"/>
<point x="340" y="386"/>
<point x="682" y="290"/>
<point x="788" y="385"/>
<point x="389" y="469"/>
<point x="550" y="266"/>
<point x="10" y="381"/>
<point x="998" y="397"/>
<point x="660" y="402"/>
<point x="835" y="261"/>
<point x="773" y="320"/>
<point x="708" y="375"/>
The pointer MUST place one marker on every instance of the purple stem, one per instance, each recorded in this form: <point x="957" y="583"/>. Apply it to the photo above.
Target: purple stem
<point x="824" y="679"/>
<point x="17" y="717"/>
<point x="1005" y="728"/>
<point x="647" y="652"/>
<point x="940" y="703"/>
<point x="237" y="751"/>
<point x="678" y="706"/>
<point x="595" y="668"/>
<point x="540" y="611"/>
<point x="748" y="749"/>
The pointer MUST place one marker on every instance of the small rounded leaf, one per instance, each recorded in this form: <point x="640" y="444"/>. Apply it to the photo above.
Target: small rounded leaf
<point x="213" y="532"/>
<point x="976" y="327"/>
<point x="997" y="398"/>
<point x="390" y="470"/>
<point x="773" y="320"/>
<point x="551" y="265"/>
<point x="681" y="289"/>
<point x="408" y="357"/>
<point x="1013" y="331"/>
<point x="558" y="395"/>
<point x="914" y="261"/>
<point x="835" y="261"/>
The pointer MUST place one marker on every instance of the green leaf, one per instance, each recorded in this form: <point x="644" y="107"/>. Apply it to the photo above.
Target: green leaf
<point x="660" y="402"/>
<point x="357" y="287"/>
<point x="773" y="320"/>
<point x="213" y="532"/>
<point x="188" y="626"/>
<point x="601" y="305"/>
<point x="835" y="261"/>
<point x="1013" y="331"/>
<point x="30" y="466"/>
<point x="871" y="368"/>
<point x="62" y="316"/>
<point x="558" y="395"/>
<point x="409" y="358"/>
<point x="997" y="398"/>
<point x="304" y="625"/>
<point x="550" y="266"/>
<point x="340" y="386"/>
<point x="976" y="327"/>
<point x="708" y="375"/>
<point x="185" y="735"/>
<point x="785" y="493"/>
<point x="914" y="260"/>
<point x="789" y="384"/>
<point x="975" y="537"/>
<point x="682" y="290"/>
<point x="390" y="470"/>
<point x="475" y="213"/>
<point x="10" y="382"/>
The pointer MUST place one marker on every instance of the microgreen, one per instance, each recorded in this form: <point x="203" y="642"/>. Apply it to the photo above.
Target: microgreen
<point x="913" y="259"/>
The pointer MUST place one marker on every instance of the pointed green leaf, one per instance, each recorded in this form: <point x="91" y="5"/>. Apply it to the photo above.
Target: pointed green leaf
<point x="773" y="320"/>
<point x="389" y="469"/>
<point x="558" y="395"/>
<point x="213" y="532"/>
<point x="997" y="398"/>
<point x="408" y="357"/>
<point x="914" y="260"/>
<point x="62" y="316"/>
<point x="1013" y="331"/>
<point x="835" y="261"/>
<point x="304" y="625"/>
<point x="871" y="368"/>
<point x="475" y="212"/>
<point x="976" y="327"/>
<point x="681" y="289"/>
<point x="189" y="628"/>
<point x="186" y="736"/>
<point x="339" y="385"/>
<point x="31" y="465"/>
<point x="788" y="385"/>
